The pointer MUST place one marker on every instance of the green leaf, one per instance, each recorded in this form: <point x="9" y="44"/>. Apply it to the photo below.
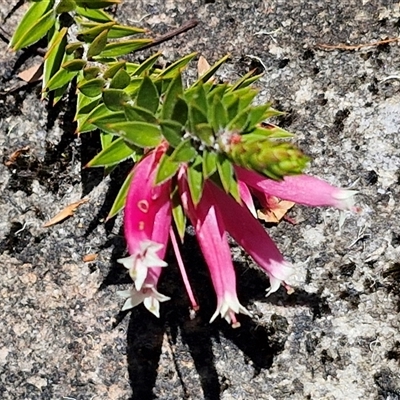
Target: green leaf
<point x="180" y="113"/>
<point x="179" y="215"/>
<point x="110" y="72"/>
<point x="134" y="113"/>
<point x="218" y="115"/>
<point x="104" y="122"/>
<point x="205" y="133"/>
<point x="225" y="171"/>
<point x="209" y="163"/>
<point x="100" y="117"/>
<point x="115" y="99"/>
<point x="98" y="45"/>
<point x="60" y="79"/>
<point x="146" y="65"/>
<point x="257" y="114"/>
<point x="106" y="139"/>
<point x="113" y="154"/>
<point x="120" y="80"/>
<point x="59" y="93"/>
<point x="166" y="169"/>
<point x="141" y="134"/>
<point x="122" y="48"/>
<point x="73" y="46"/>
<point x="35" y="30"/>
<point x="148" y="96"/>
<point x="119" y="31"/>
<point x="246" y="81"/>
<point x="197" y="96"/>
<point x="185" y="152"/>
<point x="92" y="88"/>
<point x="134" y="86"/>
<point x="94" y="15"/>
<point x="119" y="201"/>
<point x="86" y="105"/>
<point x="172" y="131"/>
<point x="195" y="180"/>
<point x="91" y="73"/>
<point x="65" y="6"/>
<point x="233" y="109"/>
<point x="213" y="69"/>
<point x="270" y="131"/>
<point x="54" y="56"/>
<point x="74" y="65"/>
<point x="175" y="89"/>
<point x="88" y="35"/>
<point x="35" y="12"/>
<point x="177" y="66"/>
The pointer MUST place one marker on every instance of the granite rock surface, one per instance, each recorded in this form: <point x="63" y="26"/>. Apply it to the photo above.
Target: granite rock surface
<point x="336" y="337"/>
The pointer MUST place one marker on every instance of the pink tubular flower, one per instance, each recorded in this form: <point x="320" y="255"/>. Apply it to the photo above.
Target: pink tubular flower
<point x="250" y="234"/>
<point x="302" y="189"/>
<point x="211" y="235"/>
<point x="147" y="219"/>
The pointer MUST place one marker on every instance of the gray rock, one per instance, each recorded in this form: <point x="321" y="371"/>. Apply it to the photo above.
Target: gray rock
<point x="336" y="337"/>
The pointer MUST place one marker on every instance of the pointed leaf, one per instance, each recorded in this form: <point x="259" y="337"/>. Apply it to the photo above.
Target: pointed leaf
<point x="36" y="30"/>
<point x="98" y="44"/>
<point x="28" y="22"/>
<point x="119" y="201"/>
<point x="175" y="89"/>
<point x="172" y="131"/>
<point x="74" y="65"/>
<point x="197" y="96"/>
<point x="134" y="113"/>
<point x="195" y="180"/>
<point x="73" y="46"/>
<point x="178" y="215"/>
<point x="54" y="55"/>
<point x="218" y="115"/>
<point x="205" y="133"/>
<point x="115" y="99"/>
<point x="113" y="154"/>
<point x="104" y="122"/>
<point x="65" y="6"/>
<point x="94" y="15"/>
<point x="205" y="77"/>
<point x="88" y="35"/>
<point x="122" y="48"/>
<point x="209" y="163"/>
<point x="92" y="88"/>
<point x="141" y="134"/>
<point x="134" y="86"/>
<point x="171" y="71"/>
<point x="120" y="80"/>
<point x="106" y="139"/>
<point x="185" y="152"/>
<point x="91" y="73"/>
<point x="166" y="169"/>
<point x="148" y="96"/>
<point x="146" y="65"/>
<point x="225" y="171"/>
<point x="119" y="31"/>
<point x="60" y="79"/>
<point x="180" y="112"/>
<point x="113" y="69"/>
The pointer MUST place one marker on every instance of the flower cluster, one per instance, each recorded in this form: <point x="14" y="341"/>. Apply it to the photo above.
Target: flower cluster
<point x="148" y="230"/>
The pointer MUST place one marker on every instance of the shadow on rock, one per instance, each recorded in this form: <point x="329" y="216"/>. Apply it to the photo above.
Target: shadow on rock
<point x="260" y="343"/>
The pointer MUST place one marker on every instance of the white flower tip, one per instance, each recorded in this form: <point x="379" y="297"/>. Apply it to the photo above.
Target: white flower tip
<point x="345" y="199"/>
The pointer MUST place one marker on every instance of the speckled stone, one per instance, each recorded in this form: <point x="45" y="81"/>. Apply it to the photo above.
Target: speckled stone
<point x="337" y="337"/>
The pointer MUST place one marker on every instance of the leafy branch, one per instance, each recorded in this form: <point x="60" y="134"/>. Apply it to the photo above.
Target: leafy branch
<point x="196" y="147"/>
